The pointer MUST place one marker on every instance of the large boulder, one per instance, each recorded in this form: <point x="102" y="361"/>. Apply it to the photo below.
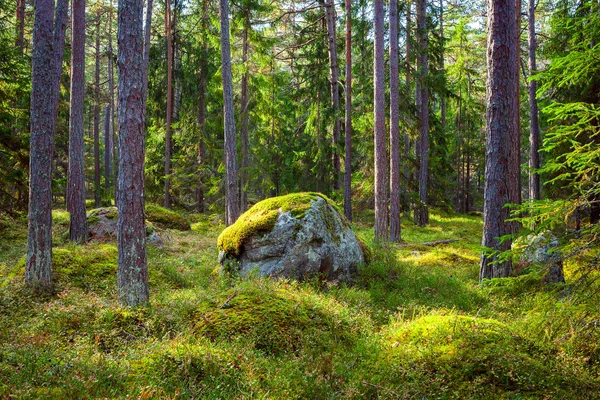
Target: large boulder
<point x="542" y="249"/>
<point x="102" y="226"/>
<point x="296" y="236"/>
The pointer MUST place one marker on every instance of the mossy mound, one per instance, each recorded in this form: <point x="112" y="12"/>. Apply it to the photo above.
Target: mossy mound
<point x="165" y="218"/>
<point x="464" y="354"/>
<point x="278" y="318"/>
<point x="261" y="218"/>
<point x="86" y="267"/>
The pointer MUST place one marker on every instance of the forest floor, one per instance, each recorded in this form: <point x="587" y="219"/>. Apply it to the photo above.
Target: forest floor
<point x="415" y="324"/>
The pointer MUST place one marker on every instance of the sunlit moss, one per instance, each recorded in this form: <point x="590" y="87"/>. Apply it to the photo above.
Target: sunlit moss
<point x="166" y="219"/>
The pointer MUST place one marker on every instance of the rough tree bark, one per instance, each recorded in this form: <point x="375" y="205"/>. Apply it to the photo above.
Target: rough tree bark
<point x="534" y="126"/>
<point x="395" y="235"/>
<point x="232" y="199"/>
<point x="107" y="154"/>
<point x="169" y="112"/>
<point x="97" y="187"/>
<point x="348" y="124"/>
<point x="111" y="91"/>
<point x="500" y="129"/>
<point x="48" y="45"/>
<point x="78" y="232"/>
<point x="202" y="112"/>
<point x="515" y="154"/>
<point x="132" y="273"/>
<point x="421" y="209"/>
<point x="381" y="183"/>
<point x="147" y="26"/>
<point x="408" y="93"/>
<point x="20" y="25"/>
<point x="335" y="96"/>
<point x="443" y="69"/>
<point x="244" y="118"/>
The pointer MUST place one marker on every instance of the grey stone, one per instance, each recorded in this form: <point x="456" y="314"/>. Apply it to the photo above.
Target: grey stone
<point x="321" y="243"/>
<point x="542" y="249"/>
<point x="102" y="226"/>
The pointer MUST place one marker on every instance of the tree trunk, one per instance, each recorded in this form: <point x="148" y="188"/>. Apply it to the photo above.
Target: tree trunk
<point x="408" y="92"/>
<point x="500" y="131"/>
<point x="232" y="207"/>
<point x="169" y="35"/>
<point x="20" y="26"/>
<point x="107" y="154"/>
<point x="515" y="154"/>
<point x="48" y="45"/>
<point x="202" y="113"/>
<point x="394" y="127"/>
<point x="111" y="90"/>
<point x="443" y="70"/>
<point x="421" y="210"/>
<point x="147" y="26"/>
<point x="78" y="232"/>
<point x="381" y="182"/>
<point x="245" y="116"/>
<point x="335" y="96"/>
<point x="348" y="124"/>
<point x="132" y="273"/>
<point x="534" y="126"/>
<point x="97" y="187"/>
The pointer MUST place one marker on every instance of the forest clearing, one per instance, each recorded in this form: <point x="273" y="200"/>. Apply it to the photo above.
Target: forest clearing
<point x="308" y="199"/>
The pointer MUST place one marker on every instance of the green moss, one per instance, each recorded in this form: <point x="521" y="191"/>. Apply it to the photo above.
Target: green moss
<point x="107" y="212"/>
<point x="262" y="217"/>
<point x="166" y="219"/>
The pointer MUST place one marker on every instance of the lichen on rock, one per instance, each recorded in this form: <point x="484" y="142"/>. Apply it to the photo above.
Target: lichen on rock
<point x="294" y="236"/>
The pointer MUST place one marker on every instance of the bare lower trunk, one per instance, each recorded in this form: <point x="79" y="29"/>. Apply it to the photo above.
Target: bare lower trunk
<point x="500" y="130"/>
<point x="76" y="180"/>
<point x="534" y="126"/>
<point x="107" y="154"/>
<point x="46" y="60"/>
<point x="147" y="26"/>
<point x="421" y="209"/>
<point x="348" y="127"/>
<point x="97" y="187"/>
<point x="381" y="182"/>
<point x="443" y="68"/>
<point x="169" y="35"/>
<point x="244" y="117"/>
<point x="202" y="113"/>
<point x="232" y="207"/>
<point x="20" y="25"/>
<point x="111" y="91"/>
<point x="132" y="273"/>
<point x="394" y="127"/>
<point x="515" y="154"/>
<point x="335" y="97"/>
<point x="405" y="189"/>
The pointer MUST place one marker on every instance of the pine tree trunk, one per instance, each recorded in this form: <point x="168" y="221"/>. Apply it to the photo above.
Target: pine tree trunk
<point x="421" y="210"/>
<point x="202" y="112"/>
<point x="111" y="90"/>
<point x="394" y="127"/>
<point x="500" y="131"/>
<point x="405" y="187"/>
<point x="20" y="25"/>
<point x="147" y="26"/>
<point x="169" y="35"/>
<point x="78" y="232"/>
<point x="534" y="126"/>
<point x="443" y="69"/>
<point x="48" y="45"/>
<point x="244" y="117"/>
<point x="232" y="207"/>
<point x="381" y="182"/>
<point x="515" y="154"/>
<point x="107" y="154"/>
<point x="348" y="124"/>
<point x="97" y="187"/>
<point x="132" y="273"/>
<point x="335" y="96"/>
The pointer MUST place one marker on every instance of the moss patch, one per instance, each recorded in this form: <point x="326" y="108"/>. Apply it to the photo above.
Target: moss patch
<point x="262" y="217"/>
<point x="166" y="219"/>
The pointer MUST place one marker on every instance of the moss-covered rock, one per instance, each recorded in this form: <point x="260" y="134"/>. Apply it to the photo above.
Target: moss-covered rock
<point x="165" y="218"/>
<point x="293" y="236"/>
<point x="102" y="226"/>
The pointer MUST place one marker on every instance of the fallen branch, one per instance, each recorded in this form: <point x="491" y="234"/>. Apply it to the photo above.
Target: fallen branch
<point x="431" y="244"/>
<point x="226" y="304"/>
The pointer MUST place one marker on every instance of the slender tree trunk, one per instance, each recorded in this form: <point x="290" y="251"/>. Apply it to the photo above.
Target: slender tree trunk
<point x="48" y="45"/>
<point x="132" y="273"/>
<point x="78" y="232"/>
<point x="534" y="126"/>
<point x="348" y="124"/>
<point x="394" y="127"/>
<point x="97" y="187"/>
<point x="515" y="154"/>
<point x="500" y="130"/>
<point x="232" y="206"/>
<point x="381" y="182"/>
<point x="405" y="187"/>
<point x="421" y="210"/>
<point x="202" y="113"/>
<point x="169" y="35"/>
<point x="107" y="154"/>
<point x="111" y="90"/>
<point x="335" y="96"/>
<point x="443" y="68"/>
<point x="20" y="26"/>
<point x="244" y="117"/>
<point x="147" y="26"/>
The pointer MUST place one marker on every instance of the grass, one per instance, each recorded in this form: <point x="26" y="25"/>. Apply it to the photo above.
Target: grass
<point x="415" y="324"/>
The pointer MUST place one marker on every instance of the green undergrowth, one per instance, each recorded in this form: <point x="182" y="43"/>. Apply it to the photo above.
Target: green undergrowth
<point x="165" y="218"/>
<point x="261" y="218"/>
<point x="415" y="323"/>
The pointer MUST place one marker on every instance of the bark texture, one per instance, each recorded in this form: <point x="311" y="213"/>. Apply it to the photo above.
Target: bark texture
<point x="421" y="209"/>
<point x="76" y="177"/>
<point x="381" y="183"/>
<point x="394" y="127"/>
<point x="534" y="126"/>
<point x="333" y="81"/>
<point x="244" y="118"/>
<point x="132" y="273"/>
<point x="501" y="109"/>
<point x="97" y="187"/>
<point x="348" y="124"/>
<point x="147" y="26"/>
<point x="168" y="141"/>
<point x="202" y="113"/>
<point x="20" y="25"/>
<point x="107" y="153"/>
<point x="232" y="206"/>
<point x="408" y="94"/>
<point x="48" y="44"/>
